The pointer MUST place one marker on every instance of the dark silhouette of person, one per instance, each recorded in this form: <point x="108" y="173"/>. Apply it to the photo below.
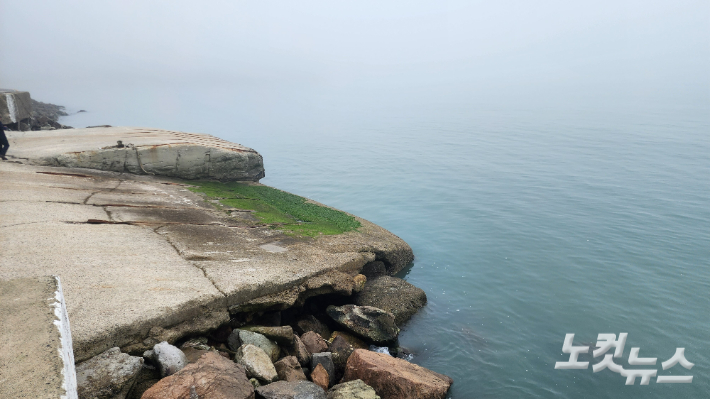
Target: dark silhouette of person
<point x="4" y="144"/>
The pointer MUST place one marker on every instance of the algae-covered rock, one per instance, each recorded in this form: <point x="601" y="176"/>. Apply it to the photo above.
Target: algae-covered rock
<point x="372" y="323"/>
<point x="393" y="295"/>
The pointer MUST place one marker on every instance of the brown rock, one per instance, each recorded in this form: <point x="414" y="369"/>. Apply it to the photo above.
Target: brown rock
<point x="314" y="342"/>
<point x="212" y="376"/>
<point x="301" y="352"/>
<point x="394" y="378"/>
<point x="289" y="369"/>
<point x="193" y="354"/>
<point x="320" y="377"/>
<point x="310" y="323"/>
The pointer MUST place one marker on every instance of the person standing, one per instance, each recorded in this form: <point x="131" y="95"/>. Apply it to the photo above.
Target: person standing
<point x="4" y="144"/>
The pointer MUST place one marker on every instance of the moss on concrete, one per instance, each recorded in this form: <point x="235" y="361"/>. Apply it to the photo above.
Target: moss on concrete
<point x="281" y="210"/>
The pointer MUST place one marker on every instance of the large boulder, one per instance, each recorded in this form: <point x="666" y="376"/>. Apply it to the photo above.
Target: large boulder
<point x="372" y="323"/>
<point x="314" y="342"/>
<point x="289" y="369"/>
<point x="258" y="340"/>
<point x="291" y="390"/>
<point x="212" y="376"/>
<point x="256" y="362"/>
<point x="394" y="378"/>
<point x="355" y="389"/>
<point x="169" y="359"/>
<point x="282" y="335"/>
<point x="393" y="295"/>
<point x="110" y="375"/>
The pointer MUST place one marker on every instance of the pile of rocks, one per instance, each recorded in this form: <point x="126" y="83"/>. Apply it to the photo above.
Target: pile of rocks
<point x="328" y="349"/>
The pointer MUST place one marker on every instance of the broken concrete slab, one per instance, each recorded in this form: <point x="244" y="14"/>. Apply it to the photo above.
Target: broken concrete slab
<point x="36" y="358"/>
<point x="141" y="151"/>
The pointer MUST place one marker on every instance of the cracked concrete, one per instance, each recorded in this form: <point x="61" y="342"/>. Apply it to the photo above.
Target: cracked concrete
<point x="143" y="259"/>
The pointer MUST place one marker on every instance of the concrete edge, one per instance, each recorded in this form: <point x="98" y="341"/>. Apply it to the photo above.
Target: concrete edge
<point x="66" y="352"/>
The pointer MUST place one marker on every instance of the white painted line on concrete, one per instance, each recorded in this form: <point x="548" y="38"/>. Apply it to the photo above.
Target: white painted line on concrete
<point x="66" y="352"/>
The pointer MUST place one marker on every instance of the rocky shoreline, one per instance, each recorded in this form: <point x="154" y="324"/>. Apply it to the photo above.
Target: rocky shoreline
<point x="243" y="306"/>
<point x="328" y="348"/>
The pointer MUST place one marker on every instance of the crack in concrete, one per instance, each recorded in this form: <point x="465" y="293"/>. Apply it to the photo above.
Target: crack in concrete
<point x="22" y="224"/>
<point x="204" y="272"/>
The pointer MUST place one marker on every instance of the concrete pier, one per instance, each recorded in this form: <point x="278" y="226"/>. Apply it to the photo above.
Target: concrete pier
<point x="143" y="259"/>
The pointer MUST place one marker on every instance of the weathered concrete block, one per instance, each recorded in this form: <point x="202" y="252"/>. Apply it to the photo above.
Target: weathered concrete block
<point x="36" y="355"/>
<point x="142" y="151"/>
<point x="14" y="106"/>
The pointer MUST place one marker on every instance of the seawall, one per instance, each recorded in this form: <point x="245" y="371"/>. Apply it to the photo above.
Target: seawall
<point x="142" y="258"/>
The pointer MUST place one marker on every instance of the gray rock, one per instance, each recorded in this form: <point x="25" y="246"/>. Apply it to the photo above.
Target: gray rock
<point x="355" y="389"/>
<point x="289" y="369"/>
<point x="258" y="340"/>
<point x="282" y="335"/>
<point x="393" y="295"/>
<point x="341" y="351"/>
<point x="168" y="358"/>
<point x="326" y="360"/>
<point x="372" y="323"/>
<point x="233" y="341"/>
<point x="374" y="269"/>
<point x="111" y="374"/>
<point x="301" y="351"/>
<point x="291" y="390"/>
<point x="256" y="362"/>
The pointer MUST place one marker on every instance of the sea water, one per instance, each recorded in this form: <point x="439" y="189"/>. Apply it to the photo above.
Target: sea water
<point x="528" y="221"/>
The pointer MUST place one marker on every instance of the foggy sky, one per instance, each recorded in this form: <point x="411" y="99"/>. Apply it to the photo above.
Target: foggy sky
<point x="611" y="48"/>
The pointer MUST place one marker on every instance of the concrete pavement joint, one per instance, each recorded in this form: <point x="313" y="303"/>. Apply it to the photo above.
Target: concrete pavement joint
<point x="204" y="272"/>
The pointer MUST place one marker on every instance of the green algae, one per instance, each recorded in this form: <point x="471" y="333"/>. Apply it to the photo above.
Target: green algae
<point x="279" y="209"/>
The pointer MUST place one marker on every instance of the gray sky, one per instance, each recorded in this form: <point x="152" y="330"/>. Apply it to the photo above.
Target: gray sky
<point x="642" y="47"/>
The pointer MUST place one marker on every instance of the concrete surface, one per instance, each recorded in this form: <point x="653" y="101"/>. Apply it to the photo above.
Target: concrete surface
<point x="36" y="358"/>
<point x="145" y="260"/>
<point x="144" y="151"/>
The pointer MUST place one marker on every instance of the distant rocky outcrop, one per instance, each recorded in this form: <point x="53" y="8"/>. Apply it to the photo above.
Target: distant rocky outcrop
<point x="18" y="111"/>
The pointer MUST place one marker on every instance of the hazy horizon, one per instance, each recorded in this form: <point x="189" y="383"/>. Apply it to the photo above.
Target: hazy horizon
<point x="74" y="53"/>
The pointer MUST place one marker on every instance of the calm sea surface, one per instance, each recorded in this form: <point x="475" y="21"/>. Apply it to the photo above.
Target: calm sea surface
<point x="527" y="222"/>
